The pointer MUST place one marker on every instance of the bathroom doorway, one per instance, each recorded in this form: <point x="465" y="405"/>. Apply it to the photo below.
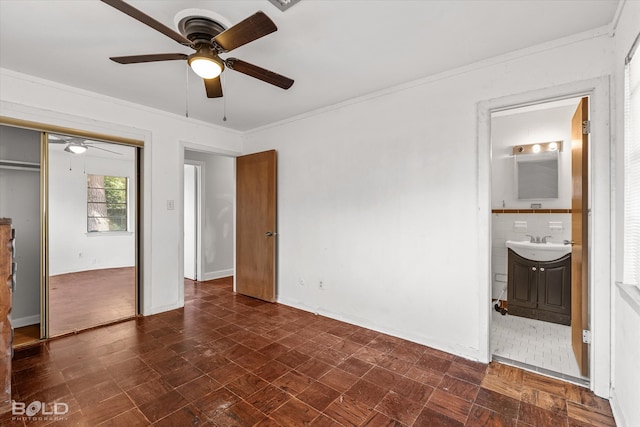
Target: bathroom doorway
<point x="531" y="203"/>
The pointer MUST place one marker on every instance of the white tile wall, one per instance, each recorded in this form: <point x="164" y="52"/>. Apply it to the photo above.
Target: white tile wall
<point x="537" y="225"/>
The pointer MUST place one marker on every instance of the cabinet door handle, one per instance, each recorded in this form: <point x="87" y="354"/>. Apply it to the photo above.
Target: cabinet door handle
<point x="533" y="269"/>
<point x="541" y="268"/>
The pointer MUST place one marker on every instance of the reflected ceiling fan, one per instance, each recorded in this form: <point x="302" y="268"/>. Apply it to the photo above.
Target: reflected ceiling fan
<point x="75" y="145"/>
<point x="209" y="39"/>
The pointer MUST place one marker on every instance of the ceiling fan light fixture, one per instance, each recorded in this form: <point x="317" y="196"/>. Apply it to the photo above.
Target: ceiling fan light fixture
<point x="75" y="148"/>
<point x="205" y="64"/>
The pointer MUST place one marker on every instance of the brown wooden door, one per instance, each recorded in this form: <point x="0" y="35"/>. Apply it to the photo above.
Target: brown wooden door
<point x="256" y="225"/>
<point x="579" y="236"/>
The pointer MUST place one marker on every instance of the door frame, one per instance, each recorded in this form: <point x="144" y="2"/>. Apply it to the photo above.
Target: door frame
<point x="600" y="219"/>
<point x="186" y="145"/>
<point x="199" y="166"/>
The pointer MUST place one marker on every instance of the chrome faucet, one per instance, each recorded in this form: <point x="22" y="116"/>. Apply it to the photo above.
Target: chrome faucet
<point x="537" y="239"/>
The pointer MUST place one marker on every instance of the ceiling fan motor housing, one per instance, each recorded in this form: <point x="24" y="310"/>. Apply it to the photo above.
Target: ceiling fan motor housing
<point x="200" y="30"/>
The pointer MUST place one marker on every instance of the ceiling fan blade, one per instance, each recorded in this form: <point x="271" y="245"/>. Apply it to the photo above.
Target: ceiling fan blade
<point x="259" y="73"/>
<point x="147" y="20"/>
<point x="104" y="149"/>
<point x="213" y="87"/>
<point x="136" y="59"/>
<point x="256" y="26"/>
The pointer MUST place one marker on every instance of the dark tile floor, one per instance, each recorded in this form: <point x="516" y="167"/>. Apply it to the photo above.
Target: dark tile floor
<point x="229" y="360"/>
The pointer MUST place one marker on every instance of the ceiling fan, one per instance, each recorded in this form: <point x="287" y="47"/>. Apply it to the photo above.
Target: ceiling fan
<point x="209" y="39"/>
<point x="76" y="145"/>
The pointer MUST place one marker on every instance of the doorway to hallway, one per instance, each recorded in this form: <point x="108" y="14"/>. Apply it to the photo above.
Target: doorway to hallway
<point x="208" y="215"/>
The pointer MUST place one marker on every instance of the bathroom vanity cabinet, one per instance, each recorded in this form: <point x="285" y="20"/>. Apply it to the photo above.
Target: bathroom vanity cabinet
<point x="540" y="289"/>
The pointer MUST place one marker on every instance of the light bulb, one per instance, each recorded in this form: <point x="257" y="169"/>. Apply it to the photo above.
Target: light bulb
<point x="536" y="148"/>
<point x="553" y="146"/>
<point x="206" y="68"/>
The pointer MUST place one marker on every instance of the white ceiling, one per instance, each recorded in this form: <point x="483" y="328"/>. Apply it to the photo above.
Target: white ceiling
<point x="334" y="49"/>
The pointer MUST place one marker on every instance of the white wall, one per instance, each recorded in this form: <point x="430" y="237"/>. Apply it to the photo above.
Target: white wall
<point x="378" y="198"/>
<point x="71" y="248"/>
<point x="626" y="304"/>
<point x="20" y="201"/>
<point x="30" y="98"/>
<point x="218" y="194"/>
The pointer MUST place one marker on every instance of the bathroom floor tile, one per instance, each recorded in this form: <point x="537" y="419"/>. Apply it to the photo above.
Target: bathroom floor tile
<point x="542" y="344"/>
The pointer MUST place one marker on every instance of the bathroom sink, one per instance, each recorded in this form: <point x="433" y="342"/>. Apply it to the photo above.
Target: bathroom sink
<point x="539" y="251"/>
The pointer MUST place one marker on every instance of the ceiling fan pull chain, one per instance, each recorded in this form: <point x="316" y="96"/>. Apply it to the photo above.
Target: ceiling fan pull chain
<point x="186" y="93"/>
<point x="224" y="100"/>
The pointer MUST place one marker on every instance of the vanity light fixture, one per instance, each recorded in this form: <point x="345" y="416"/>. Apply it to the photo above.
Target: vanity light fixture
<point x="540" y="147"/>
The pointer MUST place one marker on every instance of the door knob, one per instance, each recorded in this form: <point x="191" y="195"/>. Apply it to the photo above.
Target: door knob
<point x="270" y="234"/>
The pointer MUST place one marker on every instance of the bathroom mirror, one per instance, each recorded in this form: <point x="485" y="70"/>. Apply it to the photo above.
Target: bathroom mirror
<point x="537" y="176"/>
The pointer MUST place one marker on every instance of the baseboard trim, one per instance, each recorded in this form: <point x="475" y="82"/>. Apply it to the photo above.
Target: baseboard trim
<point x="212" y="275"/>
<point x="618" y="413"/>
<point x="465" y="352"/>
<point x="19" y="322"/>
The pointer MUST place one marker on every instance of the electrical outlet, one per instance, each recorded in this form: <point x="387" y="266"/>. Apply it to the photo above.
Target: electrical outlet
<point x="321" y="285"/>
<point x="170" y="205"/>
<point x="301" y="282"/>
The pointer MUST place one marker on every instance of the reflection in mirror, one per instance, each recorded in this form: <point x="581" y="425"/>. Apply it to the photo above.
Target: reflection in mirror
<point x="537" y="176"/>
<point x="92" y="235"/>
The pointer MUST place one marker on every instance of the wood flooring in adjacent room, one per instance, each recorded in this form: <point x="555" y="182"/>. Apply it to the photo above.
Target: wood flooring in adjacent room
<point x="229" y="360"/>
<point x="86" y="299"/>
